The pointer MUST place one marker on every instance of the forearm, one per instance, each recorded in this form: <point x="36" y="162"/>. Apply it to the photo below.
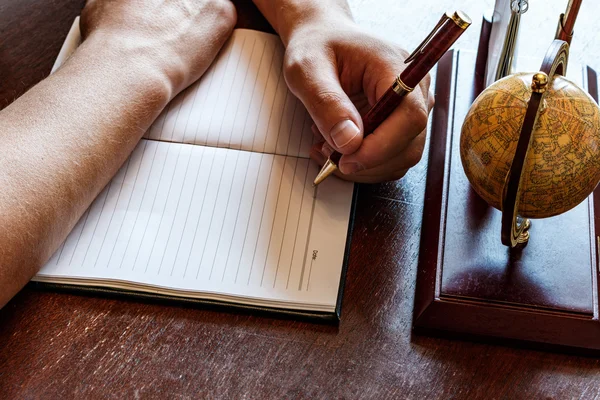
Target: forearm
<point x="61" y="143"/>
<point x="288" y="15"/>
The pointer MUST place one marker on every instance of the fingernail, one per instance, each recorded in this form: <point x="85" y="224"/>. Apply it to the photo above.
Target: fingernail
<point x="327" y="150"/>
<point x="343" y="133"/>
<point x="351" y="168"/>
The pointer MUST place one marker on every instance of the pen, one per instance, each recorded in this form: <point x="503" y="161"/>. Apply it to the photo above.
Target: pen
<point x="445" y="33"/>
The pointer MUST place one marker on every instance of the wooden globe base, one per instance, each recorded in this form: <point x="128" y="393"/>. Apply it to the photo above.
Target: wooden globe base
<point x="515" y="230"/>
<point x="469" y="285"/>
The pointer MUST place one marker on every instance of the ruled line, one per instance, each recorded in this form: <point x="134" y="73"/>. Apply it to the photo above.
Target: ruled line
<point x="277" y="207"/>
<point x="187" y="166"/>
<point x="222" y="169"/>
<point x="312" y="213"/>
<point x="199" y="215"/>
<point x="160" y="179"/>
<point x="97" y="221"/>
<point x="87" y="214"/>
<point x="238" y="100"/>
<point x="237" y="215"/>
<point x="224" y="216"/>
<point x="129" y="200"/>
<point x="297" y="227"/>
<point x="287" y="213"/>
<point x="112" y="213"/>
<point x="256" y="83"/>
<point x="189" y="209"/>
<point x="273" y="222"/>
<point x="162" y="213"/>
<point x="227" y="102"/>
<point x="152" y="165"/>
<point x="261" y="219"/>
<point x="249" y="217"/>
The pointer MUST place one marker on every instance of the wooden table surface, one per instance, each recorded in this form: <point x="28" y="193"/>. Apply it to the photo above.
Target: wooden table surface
<point x="67" y="346"/>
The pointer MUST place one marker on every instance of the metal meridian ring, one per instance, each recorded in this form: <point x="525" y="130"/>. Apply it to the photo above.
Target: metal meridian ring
<point x="520" y="6"/>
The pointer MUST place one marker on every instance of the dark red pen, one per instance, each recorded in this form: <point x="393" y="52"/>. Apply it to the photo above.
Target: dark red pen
<point x="445" y="33"/>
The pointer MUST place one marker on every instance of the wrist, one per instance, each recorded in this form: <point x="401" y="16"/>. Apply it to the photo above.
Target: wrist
<point x="294" y="16"/>
<point x="132" y="66"/>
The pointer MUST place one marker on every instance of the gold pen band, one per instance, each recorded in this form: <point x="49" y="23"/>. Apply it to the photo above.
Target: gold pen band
<point x="399" y="87"/>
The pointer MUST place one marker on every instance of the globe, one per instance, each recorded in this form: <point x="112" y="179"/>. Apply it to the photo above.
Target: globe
<point x="562" y="166"/>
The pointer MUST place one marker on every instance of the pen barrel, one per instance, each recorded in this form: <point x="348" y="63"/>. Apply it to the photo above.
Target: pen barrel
<point x="335" y="157"/>
<point x="444" y="38"/>
<point x="382" y="109"/>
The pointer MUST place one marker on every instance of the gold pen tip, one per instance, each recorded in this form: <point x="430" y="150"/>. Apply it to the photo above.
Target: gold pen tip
<point x="328" y="168"/>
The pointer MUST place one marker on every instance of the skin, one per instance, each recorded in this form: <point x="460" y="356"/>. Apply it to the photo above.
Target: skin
<point x="65" y="138"/>
<point x="338" y="71"/>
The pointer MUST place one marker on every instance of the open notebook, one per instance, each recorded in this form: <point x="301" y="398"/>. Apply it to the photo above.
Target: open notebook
<point x="216" y="203"/>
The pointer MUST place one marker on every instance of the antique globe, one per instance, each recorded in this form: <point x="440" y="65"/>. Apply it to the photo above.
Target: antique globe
<point x="562" y="166"/>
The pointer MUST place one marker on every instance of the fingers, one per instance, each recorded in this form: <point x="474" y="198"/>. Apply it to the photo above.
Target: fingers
<point x="402" y="126"/>
<point x="392" y="137"/>
<point x="431" y="98"/>
<point x="404" y="160"/>
<point x="358" y="64"/>
<point x="320" y="159"/>
<point x="87" y="15"/>
<point x="392" y="169"/>
<point x="315" y="82"/>
<point x="394" y="147"/>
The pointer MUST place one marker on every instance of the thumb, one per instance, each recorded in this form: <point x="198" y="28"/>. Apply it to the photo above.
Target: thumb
<point x="318" y="87"/>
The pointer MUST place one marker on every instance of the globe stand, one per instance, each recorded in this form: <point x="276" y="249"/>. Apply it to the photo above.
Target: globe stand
<point x="470" y="285"/>
<point x="515" y="230"/>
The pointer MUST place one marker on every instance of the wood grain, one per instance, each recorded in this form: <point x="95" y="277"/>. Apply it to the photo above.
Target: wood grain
<point x="66" y="346"/>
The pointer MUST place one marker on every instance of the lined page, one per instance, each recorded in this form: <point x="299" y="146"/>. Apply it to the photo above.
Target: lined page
<point x="198" y="218"/>
<point x="241" y="102"/>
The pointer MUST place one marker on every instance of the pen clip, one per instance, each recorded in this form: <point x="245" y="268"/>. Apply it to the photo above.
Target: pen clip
<point x="414" y="54"/>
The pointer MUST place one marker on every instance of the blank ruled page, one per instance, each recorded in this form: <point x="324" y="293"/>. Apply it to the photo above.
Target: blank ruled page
<point x="197" y="218"/>
<point x="217" y="202"/>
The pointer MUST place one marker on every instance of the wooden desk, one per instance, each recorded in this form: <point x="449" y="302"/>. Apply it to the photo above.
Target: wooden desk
<point x="64" y="346"/>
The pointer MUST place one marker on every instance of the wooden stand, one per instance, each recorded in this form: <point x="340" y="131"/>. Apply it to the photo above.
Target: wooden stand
<point x="471" y="285"/>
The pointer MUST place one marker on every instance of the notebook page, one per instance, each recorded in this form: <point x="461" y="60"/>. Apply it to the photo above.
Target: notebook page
<point x="71" y="43"/>
<point x="241" y="102"/>
<point x="197" y="218"/>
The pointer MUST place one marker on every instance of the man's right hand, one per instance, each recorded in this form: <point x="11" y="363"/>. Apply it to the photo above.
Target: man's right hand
<point x="173" y="40"/>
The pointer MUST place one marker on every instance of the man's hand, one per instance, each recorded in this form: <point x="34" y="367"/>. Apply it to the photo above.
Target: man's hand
<point x="338" y="71"/>
<point x="176" y="39"/>
<point x="328" y="66"/>
<point x="63" y="140"/>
